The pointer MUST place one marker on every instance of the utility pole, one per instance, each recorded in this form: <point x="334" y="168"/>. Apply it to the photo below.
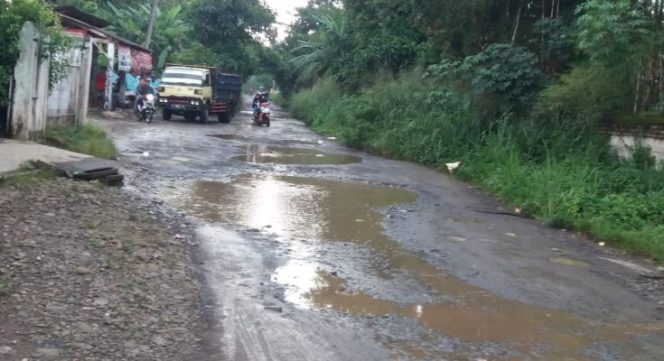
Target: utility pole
<point x="153" y="18"/>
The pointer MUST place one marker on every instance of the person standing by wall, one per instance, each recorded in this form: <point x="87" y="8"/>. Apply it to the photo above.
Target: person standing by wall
<point x="100" y="86"/>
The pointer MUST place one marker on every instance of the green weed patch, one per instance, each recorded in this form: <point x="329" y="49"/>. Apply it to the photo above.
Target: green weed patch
<point x="87" y="139"/>
<point x="26" y="176"/>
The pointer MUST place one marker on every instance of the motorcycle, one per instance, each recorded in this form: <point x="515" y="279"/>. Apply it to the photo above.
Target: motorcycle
<point x="146" y="109"/>
<point x="262" y="115"/>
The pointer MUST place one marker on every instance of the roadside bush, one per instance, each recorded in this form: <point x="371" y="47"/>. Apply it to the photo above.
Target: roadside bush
<point x="305" y="105"/>
<point x="586" y="93"/>
<point x="502" y="71"/>
<point x="278" y="98"/>
<point x="353" y="120"/>
<point x="628" y="210"/>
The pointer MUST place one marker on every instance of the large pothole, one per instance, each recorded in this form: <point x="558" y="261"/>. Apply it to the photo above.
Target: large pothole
<point x="286" y="155"/>
<point x="330" y="211"/>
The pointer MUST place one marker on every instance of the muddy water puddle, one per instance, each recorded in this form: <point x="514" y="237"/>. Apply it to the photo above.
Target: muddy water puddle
<point x="286" y="155"/>
<point x="330" y="211"/>
<point x="233" y="136"/>
<point x="228" y="136"/>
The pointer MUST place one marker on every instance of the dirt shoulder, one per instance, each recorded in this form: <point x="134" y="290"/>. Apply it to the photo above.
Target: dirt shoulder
<point x="91" y="273"/>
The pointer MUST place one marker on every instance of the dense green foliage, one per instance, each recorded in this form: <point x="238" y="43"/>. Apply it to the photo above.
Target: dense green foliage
<point x="132" y="24"/>
<point x="13" y="14"/>
<point x="202" y="32"/>
<point x="227" y="29"/>
<point x="501" y="71"/>
<point x="515" y="90"/>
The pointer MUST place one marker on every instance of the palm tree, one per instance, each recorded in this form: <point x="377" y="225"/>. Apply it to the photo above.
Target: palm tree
<point x="316" y="55"/>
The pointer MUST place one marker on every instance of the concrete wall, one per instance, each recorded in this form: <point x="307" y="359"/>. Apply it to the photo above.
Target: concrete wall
<point x="624" y="138"/>
<point x="26" y="90"/>
<point x="38" y="125"/>
<point x="34" y="107"/>
<point x="62" y="105"/>
<point x="625" y="145"/>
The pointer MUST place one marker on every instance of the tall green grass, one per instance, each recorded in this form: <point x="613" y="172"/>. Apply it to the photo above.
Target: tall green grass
<point x="554" y="167"/>
<point x="87" y="139"/>
<point x="277" y="97"/>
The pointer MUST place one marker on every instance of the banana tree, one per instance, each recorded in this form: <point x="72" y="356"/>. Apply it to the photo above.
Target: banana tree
<point x="132" y="23"/>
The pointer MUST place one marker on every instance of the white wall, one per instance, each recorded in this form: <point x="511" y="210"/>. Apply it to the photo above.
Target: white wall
<point x="625" y="144"/>
<point x="34" y="107"/>
<point x="26" y="89"/>
<point x="63" y="98"/>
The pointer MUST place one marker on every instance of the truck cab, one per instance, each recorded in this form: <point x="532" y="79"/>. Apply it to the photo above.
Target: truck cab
<point x="196" y="92"/>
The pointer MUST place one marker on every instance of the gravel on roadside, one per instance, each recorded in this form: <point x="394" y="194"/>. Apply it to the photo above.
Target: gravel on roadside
<point x="89" y="272"/>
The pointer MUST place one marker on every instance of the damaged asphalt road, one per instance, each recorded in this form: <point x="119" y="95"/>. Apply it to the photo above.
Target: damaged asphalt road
<point x="313" y="251"/>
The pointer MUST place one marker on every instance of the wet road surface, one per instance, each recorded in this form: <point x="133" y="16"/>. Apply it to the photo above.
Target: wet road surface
<point x="317" y="252"/>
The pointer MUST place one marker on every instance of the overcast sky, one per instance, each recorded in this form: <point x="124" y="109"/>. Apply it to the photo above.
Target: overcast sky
<point x="285" y="10"/>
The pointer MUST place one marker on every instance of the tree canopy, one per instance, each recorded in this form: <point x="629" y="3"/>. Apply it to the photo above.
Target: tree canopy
<point x="530" y="42"/>
<point x="389" y="36"/>
<point x="220" y="33"/>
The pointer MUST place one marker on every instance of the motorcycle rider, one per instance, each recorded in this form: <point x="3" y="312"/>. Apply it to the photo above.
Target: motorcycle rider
<point x="144" y="89"/>
<point x="260" y="97"/>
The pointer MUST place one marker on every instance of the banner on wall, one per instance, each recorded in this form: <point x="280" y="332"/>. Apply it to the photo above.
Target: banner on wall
<point x="141" y="62"/>
<point x="124" y="58"/>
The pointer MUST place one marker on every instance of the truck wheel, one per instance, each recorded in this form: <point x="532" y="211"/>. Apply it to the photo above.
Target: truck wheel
<point x="166" y="114"/>
<point x="203" y="117"/>
<point x="223" y="117"/>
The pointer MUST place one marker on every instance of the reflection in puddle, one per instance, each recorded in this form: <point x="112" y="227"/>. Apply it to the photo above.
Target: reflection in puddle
<point x="298" y="207"/>
<point x="284" y="155"/>
<point x="325" y="210"/>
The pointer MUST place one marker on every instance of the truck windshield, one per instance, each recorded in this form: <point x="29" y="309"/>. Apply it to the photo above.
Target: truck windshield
<point x="183" y="77"/>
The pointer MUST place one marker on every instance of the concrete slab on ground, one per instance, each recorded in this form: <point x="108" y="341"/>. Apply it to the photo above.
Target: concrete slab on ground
<point x="13" y="153"/>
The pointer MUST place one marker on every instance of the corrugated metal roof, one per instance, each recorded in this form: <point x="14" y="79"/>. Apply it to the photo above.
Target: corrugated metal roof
<point x="68" y="20"/>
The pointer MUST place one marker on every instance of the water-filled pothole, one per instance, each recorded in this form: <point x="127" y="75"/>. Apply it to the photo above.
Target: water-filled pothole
<point x="228" y="136"/>
<point x="295" y="206"/>
<point x="285" y="155"/>
<point x="324" y="210"/>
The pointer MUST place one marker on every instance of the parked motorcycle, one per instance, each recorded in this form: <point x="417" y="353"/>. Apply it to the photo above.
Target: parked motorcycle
<point x="262" y="115"/>
<point x="146" y="108"/>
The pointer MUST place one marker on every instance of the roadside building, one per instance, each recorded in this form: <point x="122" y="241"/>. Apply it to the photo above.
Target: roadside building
<point x="33" y="107"/>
